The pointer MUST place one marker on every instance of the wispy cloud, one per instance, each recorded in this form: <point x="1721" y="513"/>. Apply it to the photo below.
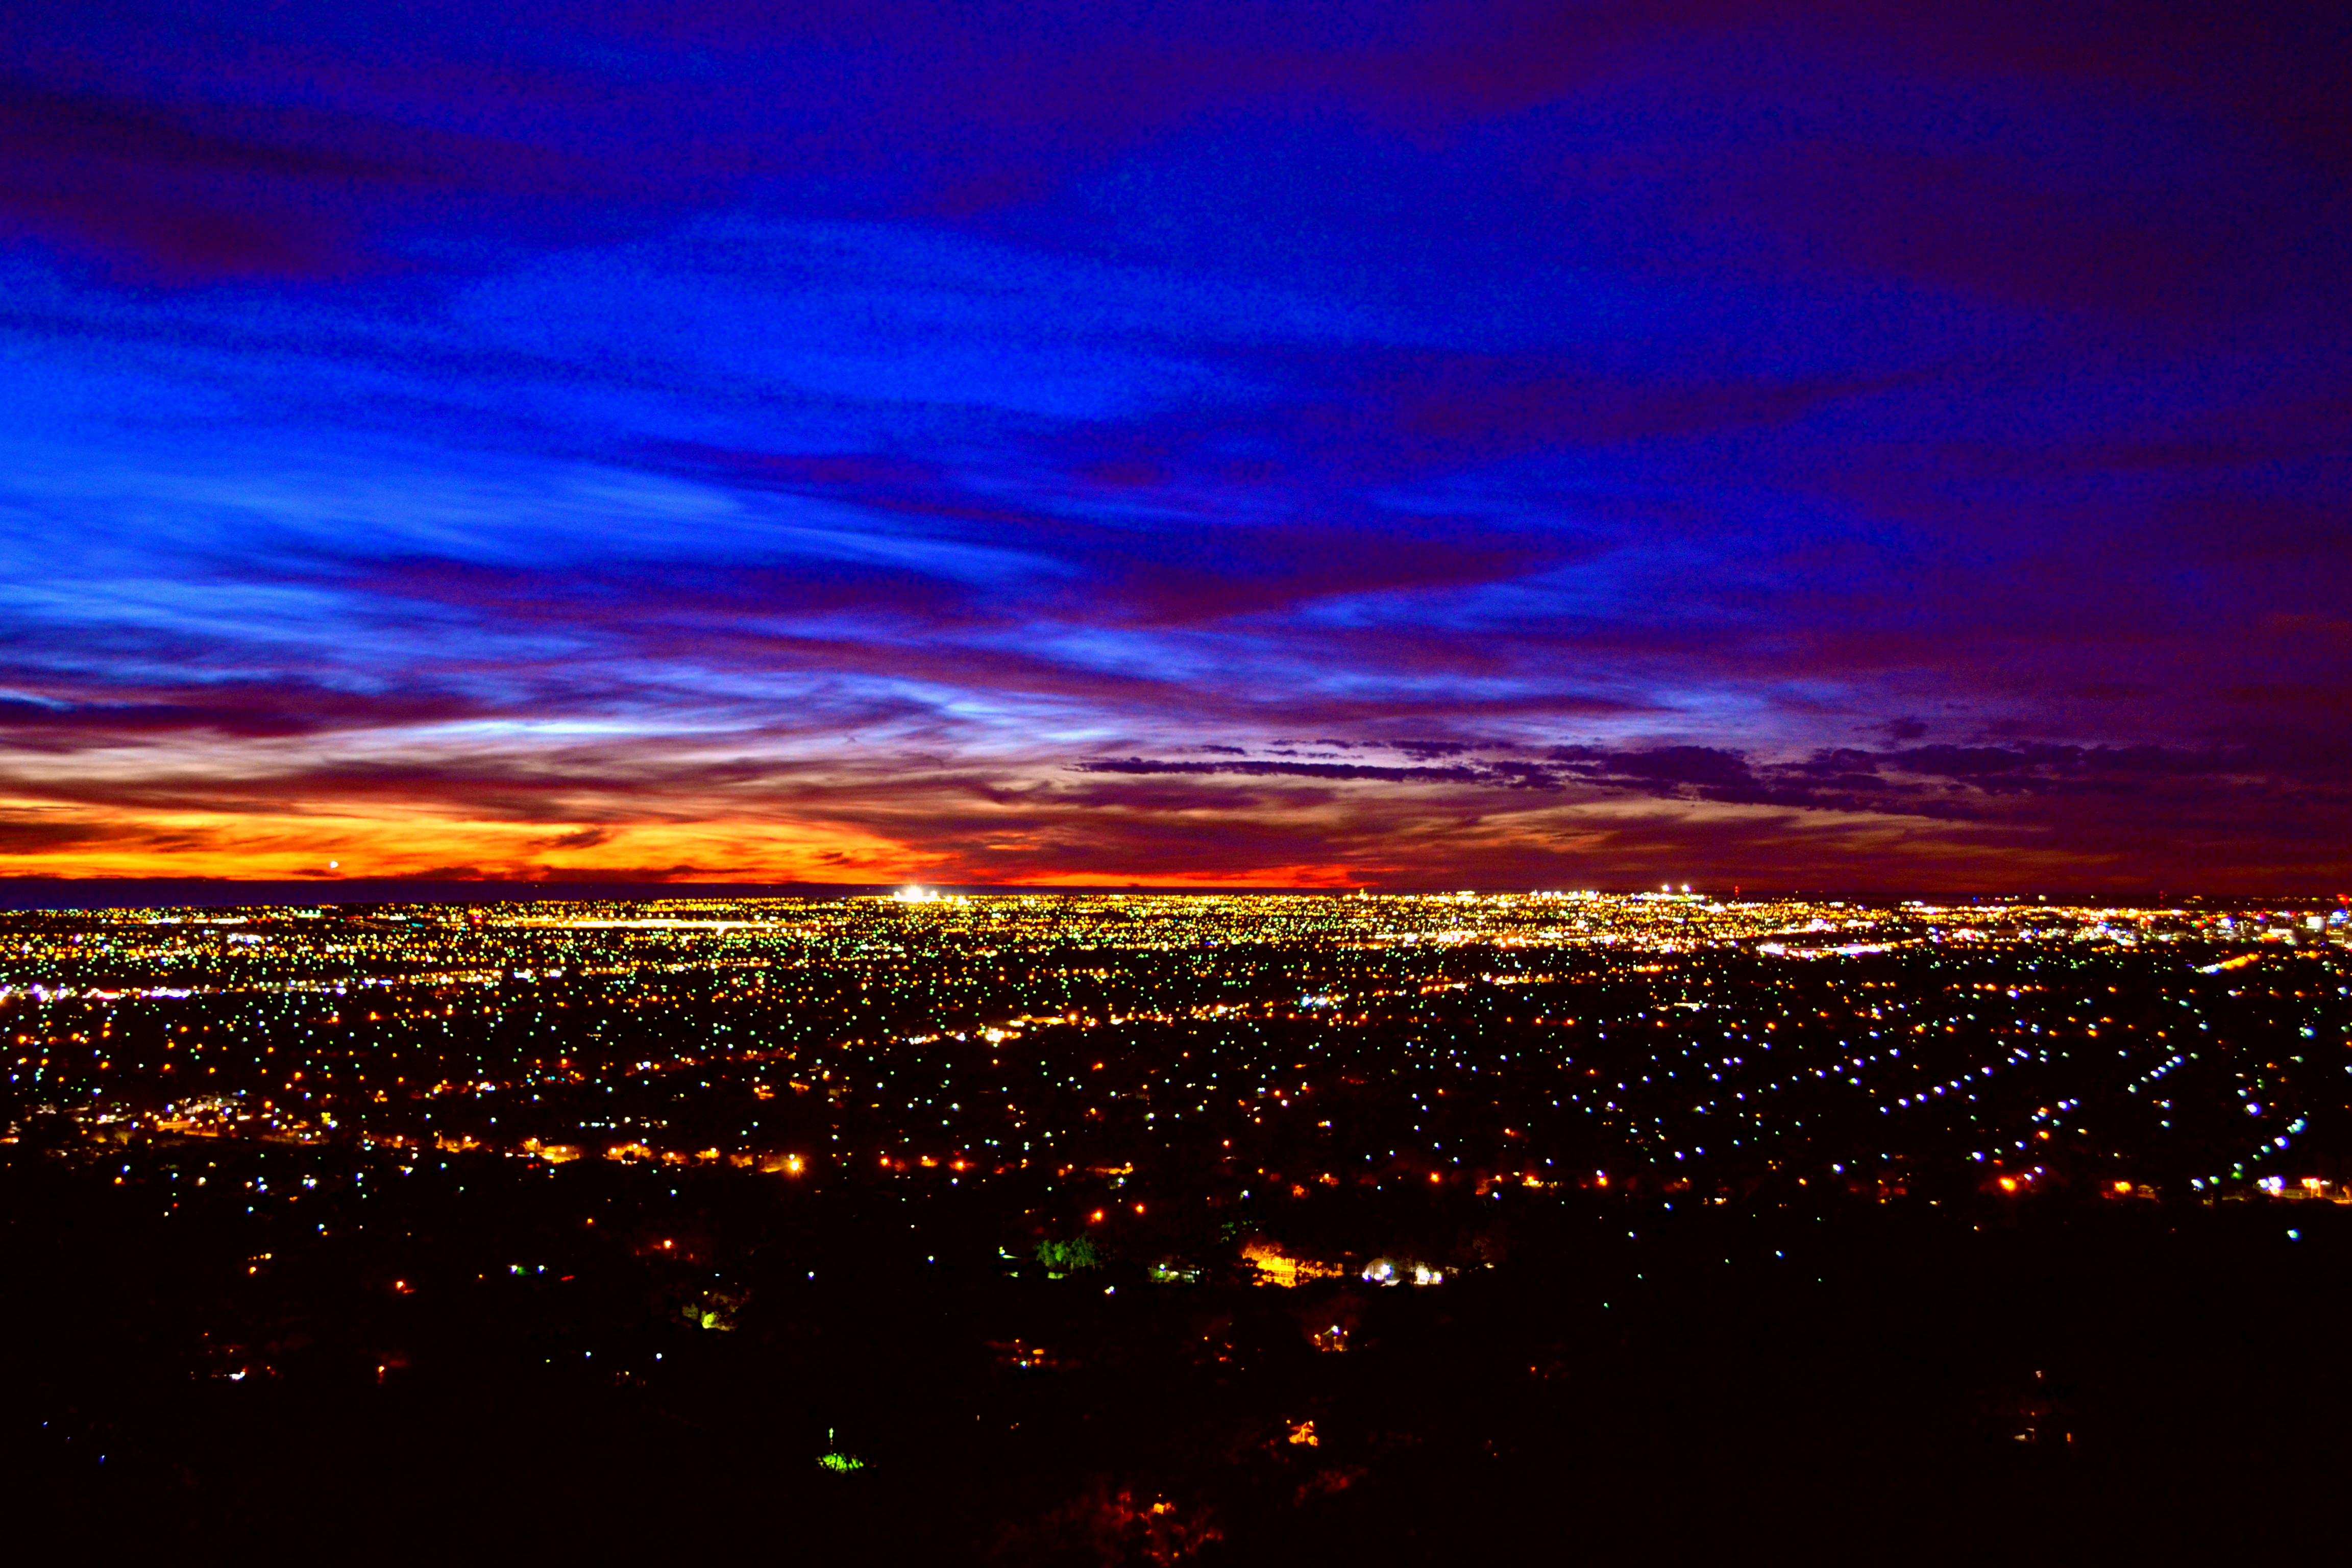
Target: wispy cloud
<point x="566" y="437"/>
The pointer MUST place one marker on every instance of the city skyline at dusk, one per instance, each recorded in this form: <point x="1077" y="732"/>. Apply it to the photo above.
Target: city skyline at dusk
<point x="1073" y="785"/>
<point x="1875" y="448"/>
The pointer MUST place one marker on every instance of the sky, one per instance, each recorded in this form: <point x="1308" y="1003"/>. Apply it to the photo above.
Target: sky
<point x="1869" y="447"/>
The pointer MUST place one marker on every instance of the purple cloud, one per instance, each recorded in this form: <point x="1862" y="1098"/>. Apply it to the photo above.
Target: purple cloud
<point x="1871" y="442"/>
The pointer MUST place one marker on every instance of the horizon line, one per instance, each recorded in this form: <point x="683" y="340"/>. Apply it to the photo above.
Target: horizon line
<point x="64" y="894"/>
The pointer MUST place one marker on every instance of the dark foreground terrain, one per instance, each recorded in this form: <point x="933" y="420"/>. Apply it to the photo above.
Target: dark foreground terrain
<point x="1792" y="1370"/>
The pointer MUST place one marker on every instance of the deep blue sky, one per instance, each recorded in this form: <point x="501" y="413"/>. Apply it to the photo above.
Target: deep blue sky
<point x="1855" y="445"/>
